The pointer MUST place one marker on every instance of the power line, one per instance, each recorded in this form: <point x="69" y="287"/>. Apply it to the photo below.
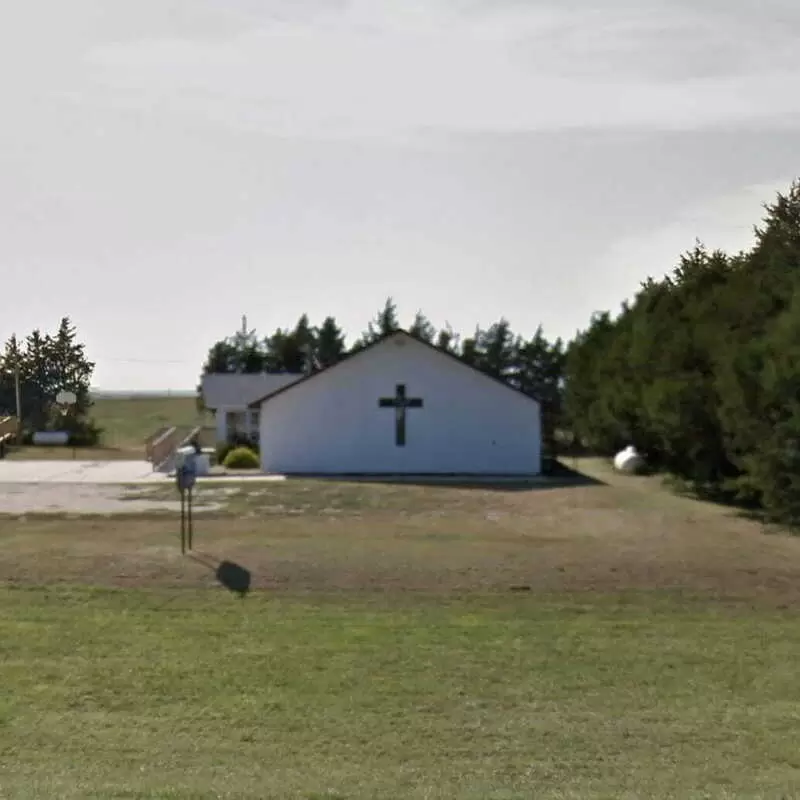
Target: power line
<point x="143" y="361"/>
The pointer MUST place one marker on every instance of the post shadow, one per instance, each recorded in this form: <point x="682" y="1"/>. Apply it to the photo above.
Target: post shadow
<point x="232" y="576"/>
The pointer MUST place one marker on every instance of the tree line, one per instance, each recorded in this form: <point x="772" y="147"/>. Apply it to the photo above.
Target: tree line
<point x="47" y="364"/>
<point x="701" y="370"/>
<point x="533" y="365"/>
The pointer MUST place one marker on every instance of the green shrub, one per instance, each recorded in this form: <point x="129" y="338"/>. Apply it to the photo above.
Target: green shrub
<point x="241" y="458"/>
<point x="84" y="433"/>
<point x="222" y="450"/>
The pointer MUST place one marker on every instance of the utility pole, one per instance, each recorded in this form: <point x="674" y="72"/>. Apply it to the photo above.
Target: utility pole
<point x="18" y="396"/>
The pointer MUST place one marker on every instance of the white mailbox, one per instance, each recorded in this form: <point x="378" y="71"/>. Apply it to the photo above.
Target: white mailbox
<point x="202" y="463"/>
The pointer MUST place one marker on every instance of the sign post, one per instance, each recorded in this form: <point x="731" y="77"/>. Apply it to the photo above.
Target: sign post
<point x="185" y="478"/>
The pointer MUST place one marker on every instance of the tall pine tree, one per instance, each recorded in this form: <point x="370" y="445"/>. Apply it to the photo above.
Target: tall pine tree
<point x="49" y="364"/>
<point x="330" y="343"/>
<point x="384" y="323"/>
<point x="422" y="328"/>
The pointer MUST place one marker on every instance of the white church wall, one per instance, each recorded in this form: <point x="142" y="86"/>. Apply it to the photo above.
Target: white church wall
<point x="468" y="423"/>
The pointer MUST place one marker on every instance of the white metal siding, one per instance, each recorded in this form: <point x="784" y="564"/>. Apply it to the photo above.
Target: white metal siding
<point x="468" y="423"/>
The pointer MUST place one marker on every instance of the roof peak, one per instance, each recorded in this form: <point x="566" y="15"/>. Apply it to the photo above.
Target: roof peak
<point x="383" y="338"/>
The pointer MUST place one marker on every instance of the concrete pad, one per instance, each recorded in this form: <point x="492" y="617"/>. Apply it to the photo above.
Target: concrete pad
<point x="98" y="472"/>
<point x="64" y="498"/>
<point x="89" y="487"/>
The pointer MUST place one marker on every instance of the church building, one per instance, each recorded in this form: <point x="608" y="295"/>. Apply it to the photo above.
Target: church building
<point x="399" y="407"/>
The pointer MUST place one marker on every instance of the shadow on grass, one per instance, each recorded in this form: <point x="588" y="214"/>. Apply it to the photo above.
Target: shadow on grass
<point x="557" y="476"/>
<point x="742" y="507"/>
<point x="234" y="577"/>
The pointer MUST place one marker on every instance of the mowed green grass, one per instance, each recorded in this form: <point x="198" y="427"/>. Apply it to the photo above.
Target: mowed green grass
<point x="203" y="695"/>
<point x="384" y="651"/>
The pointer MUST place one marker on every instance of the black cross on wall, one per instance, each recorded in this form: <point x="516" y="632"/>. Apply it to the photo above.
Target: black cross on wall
<point x="400" y="403"/>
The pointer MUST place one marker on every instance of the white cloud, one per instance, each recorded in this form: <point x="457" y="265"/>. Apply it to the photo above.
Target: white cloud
<point x="371" y="70"/>
<point x="128" y="158"/>
<point x="724" y="222"/>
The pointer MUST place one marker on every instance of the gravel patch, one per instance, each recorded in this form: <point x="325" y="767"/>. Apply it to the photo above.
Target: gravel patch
<point x="53" y="498"/>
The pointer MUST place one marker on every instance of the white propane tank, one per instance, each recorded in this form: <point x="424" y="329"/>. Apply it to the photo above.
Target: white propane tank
<point x="628" y="461"/>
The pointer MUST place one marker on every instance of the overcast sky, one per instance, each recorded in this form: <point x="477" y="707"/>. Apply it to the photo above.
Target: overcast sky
<point x="169" y="165"/>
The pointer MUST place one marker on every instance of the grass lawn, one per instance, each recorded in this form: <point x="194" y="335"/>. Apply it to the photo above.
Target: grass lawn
<point x="386" y="649"/>
<point x="202" y="695"/>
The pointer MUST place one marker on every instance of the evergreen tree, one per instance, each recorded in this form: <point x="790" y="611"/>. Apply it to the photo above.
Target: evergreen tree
<point x="470" y="352"/>
<point x="39" y="386"/>
<point x="701" y="369"/>
<point x="448" y="340"/>
<point x="538" y="373"/>
<point x="330" y="343"/>
<point x="773" y="467"/>
<point x="48" y="365"/>
<point x="495" y="348"/>
<point x="72" y="370"/>
<point x="422" y="328"/>
<point x="756" y="374"/>
<point x="249" y="352"/>
<point x="222" y="358"/>
<point x="241" y="352"/>
<point x="590" y="381"/>
<point x="283" y="353"/>
<point x="304" y="338"/>
<point x="384" y="323"/>
<point x="9" y="361"/>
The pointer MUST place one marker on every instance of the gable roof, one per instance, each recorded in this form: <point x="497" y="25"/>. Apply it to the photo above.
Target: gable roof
<point x="381" y="340"/>
<point x="238" y="390"/>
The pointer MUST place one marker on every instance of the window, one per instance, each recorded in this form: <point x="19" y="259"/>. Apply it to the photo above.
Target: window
<point x="236" y="422"/>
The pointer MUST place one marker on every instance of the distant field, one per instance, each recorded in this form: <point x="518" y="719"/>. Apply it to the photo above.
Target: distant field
<point x="127" y="422"/>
